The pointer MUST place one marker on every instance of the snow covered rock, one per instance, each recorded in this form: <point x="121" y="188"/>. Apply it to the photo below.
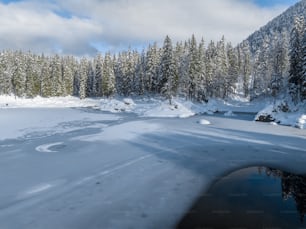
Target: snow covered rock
<point x="128" y="102"/>
<point x="265" y="115"/>
<point x="284" y="114"/>
<point x="164" y="109"/>
<point x="204" y="122"/>
<point x="115" y="106"/>
<point x="265" y="118"/>
<point x="301" y="122"/>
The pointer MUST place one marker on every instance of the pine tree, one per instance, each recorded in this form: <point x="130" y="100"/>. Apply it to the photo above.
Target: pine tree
<point x="151" y="69"/>
<point x="261" y="71"/>
<point x="233" y="71"/>
<point x="68" y="67"/>
<point x="90" y="92"/>
<point x="303" y="77"/>
<point x="122" y="74"/>
<point x="97" y="87"/>
<point x="140" y="73"/>
<point x="46" y="78"/>
<point x="245" y="67"/>
<point x="32" y="76"/>
<point x="83" y="67"/>
<point x="201" y="93"/>
<point x="108" y="80"/>
<point x="169" y="79"/>
<point x="280" y="63"/>
<point x="221" y="70"/>
<point x="210" y="68"/>
<point x="193" y="68"/>
<point x="181" y="61"/>
<point x="18" y="75"/>
<point x="296" y="68"/>
<point x="118" y="73"/>
<point x="128" y="72"/>
<point x="57" y="76"/>
<point x="5" y="74"/>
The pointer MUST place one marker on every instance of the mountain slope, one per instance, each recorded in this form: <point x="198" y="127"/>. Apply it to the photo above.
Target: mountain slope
<point x="282" y="23"/>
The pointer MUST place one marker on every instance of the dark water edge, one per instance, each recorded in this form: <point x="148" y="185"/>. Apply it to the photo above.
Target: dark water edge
<point x="247" y="116"/>
<point x="255" y="197"/>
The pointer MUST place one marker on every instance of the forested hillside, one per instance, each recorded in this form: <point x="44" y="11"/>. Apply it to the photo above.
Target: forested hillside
<point x="267" y="63"/>
<point x="273" y="48"/>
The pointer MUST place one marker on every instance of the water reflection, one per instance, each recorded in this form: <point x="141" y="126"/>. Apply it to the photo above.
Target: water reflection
<point x="293" y="186"/>
<point x="256" y="197"/>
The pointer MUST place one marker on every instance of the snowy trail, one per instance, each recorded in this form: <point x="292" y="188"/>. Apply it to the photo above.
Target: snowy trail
<point x="144" y="180"/>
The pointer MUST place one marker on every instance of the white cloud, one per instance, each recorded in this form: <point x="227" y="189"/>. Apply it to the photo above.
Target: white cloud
<point x="117" y="23"/>
<point x="31" y="27"/>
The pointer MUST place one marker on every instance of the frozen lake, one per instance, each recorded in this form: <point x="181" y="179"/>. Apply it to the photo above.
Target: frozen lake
<point x="83" y="168"/>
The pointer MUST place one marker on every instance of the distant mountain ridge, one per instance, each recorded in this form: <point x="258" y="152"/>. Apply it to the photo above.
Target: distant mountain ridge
<point x="265" y="54"/>
<point x="282" y="23"/>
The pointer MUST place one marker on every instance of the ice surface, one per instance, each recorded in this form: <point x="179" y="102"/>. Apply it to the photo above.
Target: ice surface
<point x="45" y="148"/>
<point x="123" y="171"/>
<point x="87" y="168"/>
<point x="126" y="131"/>
<point x="42" y="121"/>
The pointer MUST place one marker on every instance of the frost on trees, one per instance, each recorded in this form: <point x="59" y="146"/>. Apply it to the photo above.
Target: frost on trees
<point x="186" y="69"/>
<point x="303" y="59"/>
<point x="18" y="75"/>
<point x="108" y="80"/>
<point x="296" y="59"/>
<point x="97" y="84"/>
<point x="168" y="75"/>
<point x="151" y="69"/>
<point x="5" y="74"/>
<point x="83" y="78"/>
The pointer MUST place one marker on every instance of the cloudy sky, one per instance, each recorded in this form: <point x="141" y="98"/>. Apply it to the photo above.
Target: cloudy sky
<point x="83" y="27"/>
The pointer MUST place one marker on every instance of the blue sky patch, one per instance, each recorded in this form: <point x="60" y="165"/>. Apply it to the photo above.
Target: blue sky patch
<point x="9" y="1"/>
<point x="270" y="3"/>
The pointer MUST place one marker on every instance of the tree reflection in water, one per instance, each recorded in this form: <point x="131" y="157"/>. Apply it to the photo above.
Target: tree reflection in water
<point x="254" y="197"/>
<point x="292" y="186"/>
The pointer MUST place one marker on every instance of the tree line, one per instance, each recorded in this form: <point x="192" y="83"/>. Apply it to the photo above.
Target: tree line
<point x="191" y="69"/>
<point x="186" y="69"/>
<point x="297" y="77"/>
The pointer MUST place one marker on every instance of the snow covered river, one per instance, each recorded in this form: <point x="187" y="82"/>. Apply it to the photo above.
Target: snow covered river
<point x="83" y="168"/>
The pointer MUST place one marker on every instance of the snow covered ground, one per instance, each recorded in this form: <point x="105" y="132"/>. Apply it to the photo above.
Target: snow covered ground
<point x="87" y="167"/>
<point x="53" y="102"/>
<point x="146" y="107"/>
<point x="158" y="107"/>
<point x="42" y="121"/>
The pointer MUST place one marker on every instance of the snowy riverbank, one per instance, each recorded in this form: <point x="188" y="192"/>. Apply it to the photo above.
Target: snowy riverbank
<point x="158" y="107"/>
<point x="278" y="114"/>
<point x="153" y="107"/>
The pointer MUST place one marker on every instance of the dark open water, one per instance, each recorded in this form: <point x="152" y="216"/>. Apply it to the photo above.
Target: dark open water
<point x="255" y="197"/>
